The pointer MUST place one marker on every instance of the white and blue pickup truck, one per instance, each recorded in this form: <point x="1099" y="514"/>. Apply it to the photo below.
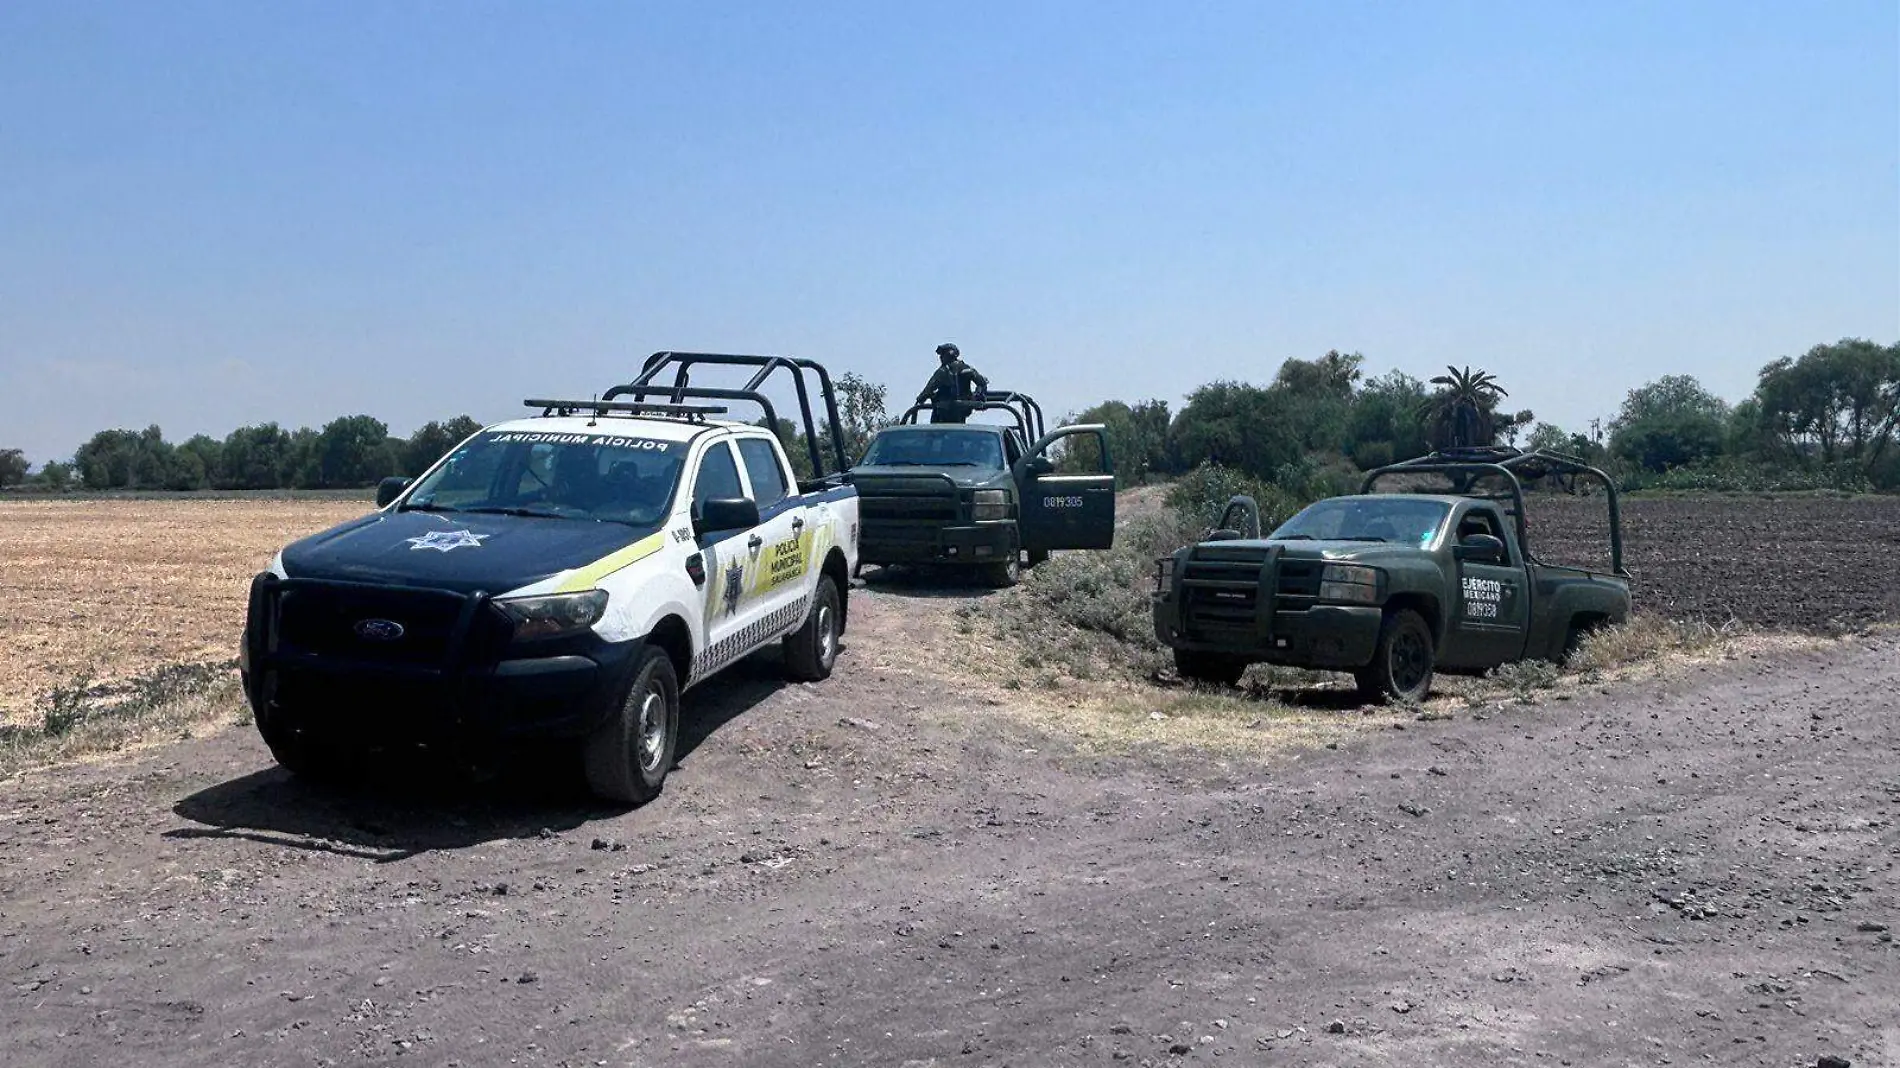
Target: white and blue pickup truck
<point x="566" y="576"/>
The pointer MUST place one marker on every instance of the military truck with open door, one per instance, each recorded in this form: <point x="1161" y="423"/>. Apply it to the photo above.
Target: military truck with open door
<point x="992" y="496"/>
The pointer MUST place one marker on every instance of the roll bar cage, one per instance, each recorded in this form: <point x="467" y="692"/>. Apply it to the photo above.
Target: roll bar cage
<point x="1464" y="467"/>
<point x="676" y="393"/>
<point x="1021" y="406"/>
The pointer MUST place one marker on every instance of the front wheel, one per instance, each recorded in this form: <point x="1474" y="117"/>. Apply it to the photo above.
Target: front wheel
<point x="1210" y="668"/>
<point x="627" y="757"/>
<point x="1004" y="575"/>
<point x="298" y="753"/>
<point x="812" y="649"/>
<point x="1402" y="661"/>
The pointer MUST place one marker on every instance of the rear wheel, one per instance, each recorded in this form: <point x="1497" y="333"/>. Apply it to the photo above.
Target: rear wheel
<point x="1038" y="557"/>
<point x="1580" y="631"/>
<point x="627" y="757"/>
<point x="1402" y="662"/>
<point x="1211" y="668"/>
<point x="812" y="649"/>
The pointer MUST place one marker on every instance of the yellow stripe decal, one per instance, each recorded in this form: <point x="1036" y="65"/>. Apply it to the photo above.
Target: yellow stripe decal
<point x="584" y="578"/>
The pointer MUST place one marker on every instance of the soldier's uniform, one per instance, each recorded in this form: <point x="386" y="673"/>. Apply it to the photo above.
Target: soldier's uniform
<point x="952" y="390"/>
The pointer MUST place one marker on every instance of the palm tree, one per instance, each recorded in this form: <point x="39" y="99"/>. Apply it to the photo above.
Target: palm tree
<point x="1462" y="413"/>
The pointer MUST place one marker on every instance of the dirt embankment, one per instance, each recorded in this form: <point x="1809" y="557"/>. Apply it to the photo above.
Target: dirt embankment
<point x="884" y="870"/>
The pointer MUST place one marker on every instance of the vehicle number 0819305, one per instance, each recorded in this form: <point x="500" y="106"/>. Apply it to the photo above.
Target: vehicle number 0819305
<point x="1062" y="502"/>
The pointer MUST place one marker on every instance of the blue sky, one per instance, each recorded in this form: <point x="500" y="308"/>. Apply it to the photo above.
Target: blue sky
<point x="223" y="213"/>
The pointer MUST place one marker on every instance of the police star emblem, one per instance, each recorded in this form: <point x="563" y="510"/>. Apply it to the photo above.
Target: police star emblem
<point x="735" y="584"/>
<point x="443" y="541"/>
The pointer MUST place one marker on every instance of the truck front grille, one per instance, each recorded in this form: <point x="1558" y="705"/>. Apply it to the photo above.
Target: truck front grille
<point x="328" y="621"/>
<point x="1221" y="587"/>
<point x="908" y="509"/>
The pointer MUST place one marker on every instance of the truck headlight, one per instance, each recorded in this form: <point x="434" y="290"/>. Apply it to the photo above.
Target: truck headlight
<point x="554" y="615"/>
<point x="1349" y="582"/>
<point x="1164" y="575"/>
<point x="989" y="504"/>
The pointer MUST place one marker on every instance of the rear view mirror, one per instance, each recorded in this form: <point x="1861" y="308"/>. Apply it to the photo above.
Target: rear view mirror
<point x="1037" y="466"/>
<point x="389" y="489"/>
<point x="726" y="513"/>
<point x="1480" y="548"/>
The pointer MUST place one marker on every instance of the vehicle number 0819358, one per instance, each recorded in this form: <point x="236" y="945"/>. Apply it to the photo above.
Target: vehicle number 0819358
<point x="1062" y="502"/>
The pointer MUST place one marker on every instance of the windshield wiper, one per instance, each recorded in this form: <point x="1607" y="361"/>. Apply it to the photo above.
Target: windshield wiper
<point x="896" y="463"/>
<point x="1293" y="537"/>
<point x="1361" y="537"/>
<point x="429" y="507"/>
<point x="529" y="512"/>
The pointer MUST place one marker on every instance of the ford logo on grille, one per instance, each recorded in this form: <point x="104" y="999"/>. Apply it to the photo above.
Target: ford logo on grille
<point x="378" y="630"/>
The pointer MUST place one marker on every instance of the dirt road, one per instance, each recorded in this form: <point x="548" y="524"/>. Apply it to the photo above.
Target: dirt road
<point x="1694" y="870"/>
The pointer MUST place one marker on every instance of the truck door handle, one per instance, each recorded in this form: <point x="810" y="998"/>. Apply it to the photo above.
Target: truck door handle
<point x="754" y="542"/>
<point x="798" y="522"/>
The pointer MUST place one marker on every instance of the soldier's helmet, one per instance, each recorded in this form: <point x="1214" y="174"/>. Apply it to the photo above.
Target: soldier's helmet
<point x="947" y="352"/>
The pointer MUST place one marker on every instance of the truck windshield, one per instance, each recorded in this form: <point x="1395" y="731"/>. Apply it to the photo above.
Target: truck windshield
<point x="603" y="477"/>
<point x="924" y="447"/>
<point x="1401" y="522"/>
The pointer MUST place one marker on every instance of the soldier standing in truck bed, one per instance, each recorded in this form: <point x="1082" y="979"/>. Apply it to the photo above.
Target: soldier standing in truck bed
<point x="953" y="388"/>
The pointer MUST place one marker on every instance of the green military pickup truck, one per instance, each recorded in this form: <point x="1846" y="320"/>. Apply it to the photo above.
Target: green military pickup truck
<point x="985" y="496"/>
<point x="1392" y="585"/>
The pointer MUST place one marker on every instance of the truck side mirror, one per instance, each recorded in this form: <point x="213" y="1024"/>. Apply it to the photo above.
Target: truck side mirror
<point x="1037" y="466"/>
<point x="726" y="513"/>
<point x="389" y="489"/>
<point x="1480" y="548"/>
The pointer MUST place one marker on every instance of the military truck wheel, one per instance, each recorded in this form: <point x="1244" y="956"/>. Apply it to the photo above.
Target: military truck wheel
<point x="1574" y="639"/>
<point x="627" y="757"/>
<point x="1003" y="575"/>
<point x="1209" y="667"/>
<point x="812" y="649"/>
<point x="1038" y="557"/>
<point x="1401" y="668"/>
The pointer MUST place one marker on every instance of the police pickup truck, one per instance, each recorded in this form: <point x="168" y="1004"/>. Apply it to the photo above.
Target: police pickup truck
<point x="1392" y="586"/>
<point x="566" y="575"/>
<point x="982" y="496"/>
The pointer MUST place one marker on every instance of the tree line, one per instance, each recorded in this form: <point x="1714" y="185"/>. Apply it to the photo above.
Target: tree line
<point x="1826" y="419"/>
<point x="347" y="452"/>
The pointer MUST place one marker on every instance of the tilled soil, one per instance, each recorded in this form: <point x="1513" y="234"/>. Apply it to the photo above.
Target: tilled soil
<point x="1815" y="564"/>
<point x="1698" y="869"/>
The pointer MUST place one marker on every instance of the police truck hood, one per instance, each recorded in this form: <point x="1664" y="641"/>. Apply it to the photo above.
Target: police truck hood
<point x="459" y="551"/>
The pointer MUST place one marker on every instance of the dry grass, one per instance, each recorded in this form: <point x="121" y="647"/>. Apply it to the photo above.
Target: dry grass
<point x="110" y="591"/>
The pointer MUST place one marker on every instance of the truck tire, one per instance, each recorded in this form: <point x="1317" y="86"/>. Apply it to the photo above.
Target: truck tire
<point x="1002" y="576"/>
<point x="1038" y="557"/>
<point x="812" y="649"/>
<point x="1209" y="667"/>
<point x="627" y="757"/>
<point x="301" y="755"/>
<point x="1574" y="639"/>
<point x="1402" y="661"/>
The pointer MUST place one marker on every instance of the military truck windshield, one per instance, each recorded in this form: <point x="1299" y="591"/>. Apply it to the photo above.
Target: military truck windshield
<point x="603" y="477"/>
<point x="925" y="447"/>
<point x="1400" y="522"/>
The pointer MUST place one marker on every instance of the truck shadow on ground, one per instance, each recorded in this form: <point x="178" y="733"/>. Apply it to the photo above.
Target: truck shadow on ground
<point x="926" y="583"/>
<point x="393" y="807"/>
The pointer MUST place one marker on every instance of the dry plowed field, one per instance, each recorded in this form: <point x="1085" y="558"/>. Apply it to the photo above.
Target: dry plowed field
<point x="1792" y="563"/>
<point x="103" y="590"/>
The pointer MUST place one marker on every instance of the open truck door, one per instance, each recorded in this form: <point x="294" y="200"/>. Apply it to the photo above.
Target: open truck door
<point x="1066" y="510"/>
